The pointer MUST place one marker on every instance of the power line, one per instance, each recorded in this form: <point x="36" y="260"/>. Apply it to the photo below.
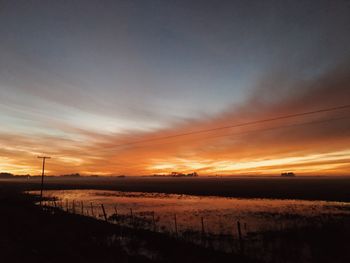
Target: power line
<point x="262" y="130"/>
<point x="294" y="125"/>
<point x="236" y="125"/>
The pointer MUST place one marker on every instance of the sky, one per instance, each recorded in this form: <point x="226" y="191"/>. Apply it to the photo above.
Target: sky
<point x="82" y="81"/>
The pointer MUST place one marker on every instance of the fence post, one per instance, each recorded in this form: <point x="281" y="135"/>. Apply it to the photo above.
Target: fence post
<point x="92" y="209"/>
<point x="104" y="213"/>
<point x="241" y="245"/>
<point x="175" y="222"/>
<point x="131" y="217"/>
<point x="203" y="230"/>
<point x="116" y="211"/>
<point x="154" y="222"/>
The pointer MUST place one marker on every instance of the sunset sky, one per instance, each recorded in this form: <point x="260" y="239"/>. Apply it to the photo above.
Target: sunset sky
<point x="82" y="81"/>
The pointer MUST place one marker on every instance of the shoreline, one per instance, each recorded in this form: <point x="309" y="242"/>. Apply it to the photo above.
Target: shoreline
<point x="320" y="189"/>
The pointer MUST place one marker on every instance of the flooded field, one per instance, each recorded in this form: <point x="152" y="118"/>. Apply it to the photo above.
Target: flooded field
<point x="180" y="214"/>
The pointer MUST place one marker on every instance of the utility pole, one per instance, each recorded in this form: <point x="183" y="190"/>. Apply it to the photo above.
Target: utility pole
<point x="42" y="176"/>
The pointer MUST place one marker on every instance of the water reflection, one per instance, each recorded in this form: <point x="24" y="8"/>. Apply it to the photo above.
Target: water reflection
<point x="219" y="214"/>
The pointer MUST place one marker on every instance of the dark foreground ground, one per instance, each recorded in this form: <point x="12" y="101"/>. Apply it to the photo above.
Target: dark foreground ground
<point x="31" y="234"/>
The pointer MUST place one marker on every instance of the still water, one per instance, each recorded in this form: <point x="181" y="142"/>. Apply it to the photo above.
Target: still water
<point x="219" y="214"/>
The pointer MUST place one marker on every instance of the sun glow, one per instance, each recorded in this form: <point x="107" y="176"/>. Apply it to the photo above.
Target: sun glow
<point x="304" y="164"/>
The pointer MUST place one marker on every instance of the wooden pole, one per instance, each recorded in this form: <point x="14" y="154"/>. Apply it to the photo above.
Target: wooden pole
<point x="154" y="222"/>
<point x="240" y="236"/>
<point x="73" y="207"/>
<point x="202" y="222"/>
<point x="67" y="205"/>
<point x="175" y="222"/>
<point x="116" y="215"/>
<point x="203" y="231"/>
<point x="131" y="217"/>
<point x="82" y="208"/>
<point x="116" y="211"/>
<point x="42" y="177"/>
<point x="92" y="209"/>
<point x="104" y="212"/>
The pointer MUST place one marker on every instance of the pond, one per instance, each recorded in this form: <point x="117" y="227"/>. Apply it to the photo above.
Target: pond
<point x="209" y="214"/>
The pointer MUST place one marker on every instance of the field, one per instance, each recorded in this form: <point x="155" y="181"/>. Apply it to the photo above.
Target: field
<point x="42" y="234"/>
<point x="306" y="188"/>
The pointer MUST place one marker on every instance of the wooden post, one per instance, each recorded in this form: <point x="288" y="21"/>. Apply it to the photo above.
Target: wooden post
<point x="116" y="211"/>
<point x="116" y="215"/>
<point x="175" y="222"/>
<point x="154" y="222"/>
<point x="67" y="205"/>
<point x="240" y="236"/>
<point x="82" y="208"/>
<point x="104" y="213"/>
<point x="73" y="207"/>
<point x="92" y="209"/>
<point x="203" y="230"/>
<point x="131" y="217"/>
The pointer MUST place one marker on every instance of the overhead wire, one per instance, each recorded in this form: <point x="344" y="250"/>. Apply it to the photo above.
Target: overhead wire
<point x="238" y="125"/>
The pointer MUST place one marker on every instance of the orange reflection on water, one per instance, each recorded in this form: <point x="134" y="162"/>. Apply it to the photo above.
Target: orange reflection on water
<point x="219" y="213"/>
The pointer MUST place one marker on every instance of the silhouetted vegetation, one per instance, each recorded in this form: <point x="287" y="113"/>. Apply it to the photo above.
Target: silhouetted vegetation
<point x="288" y="174"/>
<point x="6" y="175"/>
<point x="76" y="175"/>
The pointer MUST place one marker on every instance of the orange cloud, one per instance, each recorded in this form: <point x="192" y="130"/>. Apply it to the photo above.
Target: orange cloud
<point x="313" y="144"/>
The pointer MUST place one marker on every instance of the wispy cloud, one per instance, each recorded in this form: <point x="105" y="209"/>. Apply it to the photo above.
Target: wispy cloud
<point x="312" y="144"/>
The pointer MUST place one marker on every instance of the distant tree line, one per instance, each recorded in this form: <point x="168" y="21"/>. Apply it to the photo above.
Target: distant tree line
<point x="10" y="175"/>
<point x="71" y="175"/>
<point x="176" y="174"/>
<point x="5" y="175"/>
<point x="289" y="174"/>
